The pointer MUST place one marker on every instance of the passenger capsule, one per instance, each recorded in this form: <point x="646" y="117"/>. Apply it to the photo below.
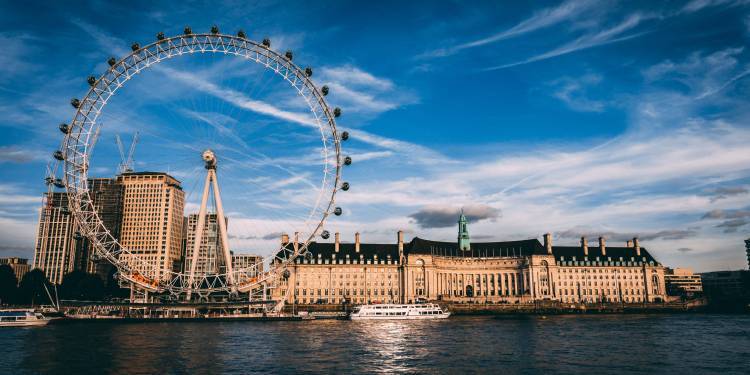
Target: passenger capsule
<point x="75" y="103"/>
<point x="160" y="36"/>
<point x="286" y="274"/>
<point x="324" y="90"/>
<point x="77" y="236"/>
<point x="111" y="61"/>
<point x="49" y="180"/>
<point x="338" y="211"/>
<point x="59" y="183"/>
<point x="325" y="234"/>
<point x="91" y="80"/>
<point x="344" y="136"/>
<point x="348" y="160"/>
<point x="345" y="186"/>
<point x="308" y="71"/>
<point x="241" y="34"/>
<point x="65" y="128"/>
<point x="135" y="46"/>
<point x="337" y="112"/>
<point x="214" y="29"/>
<point x="266" y="43"/>
<point x="58" y="155"/>
<point x="64" y="210"/>
<point x="188" y="30"/>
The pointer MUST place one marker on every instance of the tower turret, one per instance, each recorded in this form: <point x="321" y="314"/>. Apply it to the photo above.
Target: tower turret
<point x="464" y="242"/>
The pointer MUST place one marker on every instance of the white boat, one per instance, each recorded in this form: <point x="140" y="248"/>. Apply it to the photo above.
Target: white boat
<point x="22" y="318"/>
<point x="399" y="311"/>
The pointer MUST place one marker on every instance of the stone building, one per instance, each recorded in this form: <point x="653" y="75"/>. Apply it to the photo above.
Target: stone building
<point x="19" y="265"/>
<point x="488" y="272"/>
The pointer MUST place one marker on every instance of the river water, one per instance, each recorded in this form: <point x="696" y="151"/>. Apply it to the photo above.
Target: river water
<point x="681" y="343"/>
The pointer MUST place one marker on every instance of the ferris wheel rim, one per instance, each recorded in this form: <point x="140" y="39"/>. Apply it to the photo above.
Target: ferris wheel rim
<point x="76" y="155"/>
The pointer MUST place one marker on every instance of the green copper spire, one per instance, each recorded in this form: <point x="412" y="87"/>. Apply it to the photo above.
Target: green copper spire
<point x="463" y="233"/>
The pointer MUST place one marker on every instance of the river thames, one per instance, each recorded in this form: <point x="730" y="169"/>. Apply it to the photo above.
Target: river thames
<point x="682" y="343"/>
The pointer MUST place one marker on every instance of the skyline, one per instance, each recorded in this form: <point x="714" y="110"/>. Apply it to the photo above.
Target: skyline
<point x="620" y="121"/>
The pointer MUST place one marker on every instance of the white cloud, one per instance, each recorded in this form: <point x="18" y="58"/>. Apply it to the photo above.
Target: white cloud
<point x="572" y="91"/>
<point x="544" y="18"/>
<point x="611" y="35"/>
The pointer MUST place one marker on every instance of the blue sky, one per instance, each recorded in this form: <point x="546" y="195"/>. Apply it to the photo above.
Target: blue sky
<point x="575" y="117"/>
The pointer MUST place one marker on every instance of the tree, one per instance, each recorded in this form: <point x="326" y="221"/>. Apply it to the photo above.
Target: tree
<point x="82" y="286"/>
<point x="8" y="285"/>
<point x="31" y="289"/>
<point x="72" y="285"/>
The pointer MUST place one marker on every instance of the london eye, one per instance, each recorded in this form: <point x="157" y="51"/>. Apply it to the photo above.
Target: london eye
<point x="74" y="159"/>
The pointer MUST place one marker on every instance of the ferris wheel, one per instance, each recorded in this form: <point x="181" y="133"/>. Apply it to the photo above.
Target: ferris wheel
<point x="81" y="134"/>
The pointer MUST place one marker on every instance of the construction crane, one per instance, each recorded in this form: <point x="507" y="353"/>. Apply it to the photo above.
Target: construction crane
<point x="126" y="161"/>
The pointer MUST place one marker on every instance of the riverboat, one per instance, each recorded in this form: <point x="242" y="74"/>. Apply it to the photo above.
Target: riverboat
<point x="22" y="318"/>
<point x="399" y="312"/>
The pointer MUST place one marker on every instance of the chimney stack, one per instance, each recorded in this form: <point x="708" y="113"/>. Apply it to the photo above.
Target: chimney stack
<point x="637" y="246"/>
<point x="356" y="242"/>
<point x="284" y="238"/>
<point x="548" y="243"/>
<point x="585" y="246"/>
<point x="296" y="242"/>
<point x="603" y="246"/>
<point x="337" y="237"/>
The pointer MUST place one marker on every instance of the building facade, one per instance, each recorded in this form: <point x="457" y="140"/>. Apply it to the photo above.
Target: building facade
<point x="490" y="272"/>
<point x="152" y="215"/>
<point x="682" y="282"/>
<point x="107" y="199"/>
<point x="245" y="261"/>
<point x="55" y="248"/>
<point x="19" y="265"/>
<point x="210" y="252"/>
<point x="726" y="285"/>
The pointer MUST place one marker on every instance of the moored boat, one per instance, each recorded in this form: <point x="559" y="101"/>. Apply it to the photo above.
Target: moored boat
<point x="399" y="311"/>
<point x="22" y="318"/>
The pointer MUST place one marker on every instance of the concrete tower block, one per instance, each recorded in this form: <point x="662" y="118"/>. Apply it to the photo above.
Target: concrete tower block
<point x="337" y="241"/>
<point x="284" y="238"/>
<point x="356" y="242"/>
<point x="603" y="245"/>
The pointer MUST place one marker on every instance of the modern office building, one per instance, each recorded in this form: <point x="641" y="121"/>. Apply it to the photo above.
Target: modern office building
<point x="682" y="282"/>
<point x="152" y="227"/>
<point x="726" y="285"/>
<point x="210" y="253"/>
<point x="55" y="249"/>
<point x="107" y="198"/>
<point x="461" y="271"/>
<point x="244" y="261"/>
<point x="747" y="251"/>
<point x="19" y="265"/>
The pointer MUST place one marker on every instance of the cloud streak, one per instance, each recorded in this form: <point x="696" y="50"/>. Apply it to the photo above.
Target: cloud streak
<point x="542" y="19"/>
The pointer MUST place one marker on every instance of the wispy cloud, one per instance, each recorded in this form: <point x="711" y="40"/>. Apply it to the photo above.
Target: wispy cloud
<point x="544" y="18"/>
<point x="614" y="34"/>
<point x="16" y="154"/>
<point x="572" y="91"/>
<point x="360" y="91"/>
